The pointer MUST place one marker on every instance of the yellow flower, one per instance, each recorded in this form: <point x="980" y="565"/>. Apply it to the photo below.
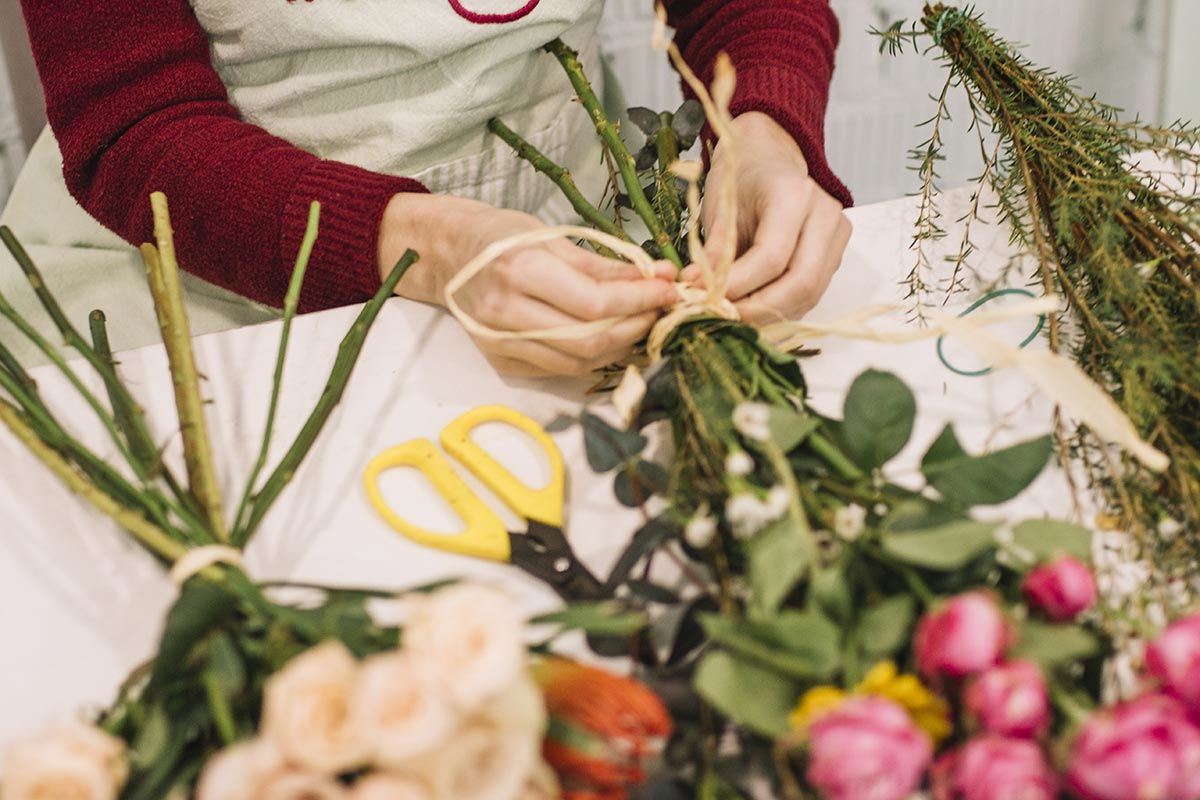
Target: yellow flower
<point x="815" y="702"/>
<point x="929" y="712"/>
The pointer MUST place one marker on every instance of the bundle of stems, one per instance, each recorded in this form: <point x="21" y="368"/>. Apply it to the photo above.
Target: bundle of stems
<point x="169" y="516"/>
<point x="1109" y="212"/>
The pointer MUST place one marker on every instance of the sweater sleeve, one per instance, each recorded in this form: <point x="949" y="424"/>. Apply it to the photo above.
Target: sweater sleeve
<point x="783" y="53"/>
<point x="137" y="107"/>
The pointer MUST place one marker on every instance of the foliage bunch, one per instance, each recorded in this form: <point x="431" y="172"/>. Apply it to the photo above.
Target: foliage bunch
<point x="1109" y="212"/>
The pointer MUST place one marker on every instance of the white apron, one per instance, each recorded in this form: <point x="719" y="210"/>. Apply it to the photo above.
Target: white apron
<point x="403" y="87"/>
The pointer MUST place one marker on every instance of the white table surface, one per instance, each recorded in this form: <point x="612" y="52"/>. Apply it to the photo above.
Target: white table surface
<point x="80" y="605"/>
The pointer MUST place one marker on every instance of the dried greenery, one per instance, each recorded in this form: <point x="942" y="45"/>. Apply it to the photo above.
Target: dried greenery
<point x="1108" y="210"/>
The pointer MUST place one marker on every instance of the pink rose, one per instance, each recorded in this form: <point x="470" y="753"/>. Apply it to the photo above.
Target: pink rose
<point x="1010" y="700"/>
<point x="994" y="768"/>
<point x="1174" y="658"/>
<point x="866" y="747"/>
<point x="1145" y="749"/>
<point x="964" y="636"/>
<point x="1061" y="590"/>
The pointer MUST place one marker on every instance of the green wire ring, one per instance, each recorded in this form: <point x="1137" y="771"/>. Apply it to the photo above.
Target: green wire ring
<point x="987" y="298"/>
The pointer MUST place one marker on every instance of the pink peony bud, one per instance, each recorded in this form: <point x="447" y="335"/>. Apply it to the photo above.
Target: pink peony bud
<point x="994" y="768"/>
<point x="1061" y="590"/>
<point x="1174" y="658"/>
<point x="866" y="747"/>
<point x="1146" y="748"/>
<point x="963" y="637"/>
<point x="1010" y="700"/>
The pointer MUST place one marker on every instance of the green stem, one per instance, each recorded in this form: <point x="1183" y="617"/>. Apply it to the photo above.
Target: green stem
<point x="1071" y="706"/>
<point x="162" y="271"/>
<point x="218" y="704"/>
<point x="348" y="352"/>
<point x="149" y="535"/>
<point x="291" y="302"/>
<point x="562" y="178"/>
<point x="608" y="132"/>
<point x="834" y="457"/>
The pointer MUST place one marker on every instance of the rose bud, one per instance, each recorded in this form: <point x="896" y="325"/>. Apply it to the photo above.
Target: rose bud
<point x="1010" y="700"/>
<point x="995" y="768"/>
<point x="72" y="760"/>
<point x="1174" y="658"/>
<point x="1144" y="748"/>
<point x="963" y="637"/>
<point x="1061" y="590"/>
<point x="866" y="747"/>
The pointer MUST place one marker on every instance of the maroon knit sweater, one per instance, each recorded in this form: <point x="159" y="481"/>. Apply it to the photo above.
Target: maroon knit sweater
<point x="137" y="107"/>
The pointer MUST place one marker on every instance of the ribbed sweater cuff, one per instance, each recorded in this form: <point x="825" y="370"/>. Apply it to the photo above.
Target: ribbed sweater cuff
<point x="344" y="266"/>
<point x="798" y="106"/>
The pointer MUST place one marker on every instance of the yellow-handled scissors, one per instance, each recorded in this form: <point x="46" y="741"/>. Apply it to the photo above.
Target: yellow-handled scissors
<point x="541" y="550"/>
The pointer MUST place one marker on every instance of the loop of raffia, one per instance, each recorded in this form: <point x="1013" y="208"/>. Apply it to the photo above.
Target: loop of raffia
<point x="198" y="559"/>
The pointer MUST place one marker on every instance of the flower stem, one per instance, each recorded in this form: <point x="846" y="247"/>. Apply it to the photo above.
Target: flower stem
<point x="218" y="704"/>
<point x="162" y="270"/>
<point x="834" y="457"/>
<point x="612" y="138"/>
<point x="348" y="352"/>
<point x="564" y="181"/>
<point x="290" y="303"/>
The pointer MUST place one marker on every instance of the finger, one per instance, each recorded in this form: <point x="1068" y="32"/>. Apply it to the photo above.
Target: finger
<point x="513" y="368"/>
<point x="612" y="345"/>
<point x="783" y="216"/>
<point x="535" y="354"/>
<point x="816" y="259"/>
<point x="593" y="264"/>
<point x="584" y="297"/>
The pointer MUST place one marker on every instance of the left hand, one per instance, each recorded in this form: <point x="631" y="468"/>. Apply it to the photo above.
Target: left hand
<point x="791" y="232"/>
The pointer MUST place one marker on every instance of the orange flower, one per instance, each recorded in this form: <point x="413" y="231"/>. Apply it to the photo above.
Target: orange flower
<point x="602" y="728"/>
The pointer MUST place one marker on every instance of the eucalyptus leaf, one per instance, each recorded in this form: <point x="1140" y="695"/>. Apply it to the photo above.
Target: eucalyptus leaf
<point x="606" y="618"/>
<point x="777" y="560"/>
<point x="634" y="485"/>
<point x="647" y="121"/>
<point x="653" y="592"/>
<point x="1047" y="539"/>
<point x="877" y="418"/>
<point x="687" y="122"/>
<point x="988" y="479"/>
<point x="883" y="628"/>
<point x="608" y="447"/>
<point x="945" y="548"/>
<point x="1051" y="645"/>
<point x="788" y="428"/>
<point x="800" y="645"/>
<point x="648" y="537"/>
<point x="746" y="693"/>
<point x="646" y="157"/>
<point x="831" y="593"/>
<point x="560" y="423"/>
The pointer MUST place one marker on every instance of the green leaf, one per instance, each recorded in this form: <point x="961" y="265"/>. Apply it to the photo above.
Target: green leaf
<point x="608" y="447"/>
<point x="653" y="592"/>
<point x="201" y="607"/>
<point x="831" y="593"/>
<point x="801" y="645"/>
<point x="877" y="418"/>
<point x="647" y="538"/>
<point x="746" y="693"/>
<point x="992" y="478"/>
<point x="634" y="486"/>
<point x="152" y="738"/>
<point x="1047" y="539"/>
<point x="606" y="618"/>
<point x="647" y="121"/>
<point x="560" y="423"/>
<point x="226" y="663"/>
<point x="1050" y="645"/>
<point x="945" y="548"/>
<point x="687" y="122"/>
<point x="777" y="560"/>
<point x="789" y="427"/>
<point x="883" y="628"/>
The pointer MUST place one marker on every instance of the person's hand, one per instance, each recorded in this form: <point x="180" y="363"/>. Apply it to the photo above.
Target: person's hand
<point x="530" y="288"/>
<point x="791" y="233"/>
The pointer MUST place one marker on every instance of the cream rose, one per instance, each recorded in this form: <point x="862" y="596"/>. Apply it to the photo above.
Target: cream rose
<point x="73" y="761"/>
<point x="240" y="771"/>
<point x="306" y="711"/>
<point x="494" y="752"/>
<point x="302" y="786"/>
<point x="472" y="637"/>
<point x="387" y="786"/>
<point x="542" y="783"/>
<point x="401" y="709"/>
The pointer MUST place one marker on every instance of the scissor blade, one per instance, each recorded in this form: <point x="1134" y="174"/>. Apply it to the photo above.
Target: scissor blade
<point x="544" y="552"/>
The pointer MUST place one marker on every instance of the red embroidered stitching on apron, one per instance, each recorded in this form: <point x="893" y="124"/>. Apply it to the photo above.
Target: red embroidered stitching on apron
<point x="492" y="19"/>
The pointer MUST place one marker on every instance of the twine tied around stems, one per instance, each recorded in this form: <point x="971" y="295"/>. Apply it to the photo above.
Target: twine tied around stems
<point x="198" y="559"/>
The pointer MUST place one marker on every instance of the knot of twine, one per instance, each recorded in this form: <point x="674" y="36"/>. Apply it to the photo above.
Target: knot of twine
<point x="197" y="559"/>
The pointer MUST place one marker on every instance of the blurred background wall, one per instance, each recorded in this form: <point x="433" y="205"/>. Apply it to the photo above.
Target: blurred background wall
<point x="1137" y="54"/>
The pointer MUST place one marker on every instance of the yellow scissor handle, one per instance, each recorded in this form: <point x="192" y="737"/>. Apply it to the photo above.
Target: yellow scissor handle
<point x="543" y="505"/>
<point x="485" y="535"/>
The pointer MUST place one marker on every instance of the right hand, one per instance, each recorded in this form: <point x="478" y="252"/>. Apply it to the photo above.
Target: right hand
<point x="535" y="287"/>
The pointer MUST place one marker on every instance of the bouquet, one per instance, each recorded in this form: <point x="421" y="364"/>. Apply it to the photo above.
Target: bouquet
<point x="284" y="691"/>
